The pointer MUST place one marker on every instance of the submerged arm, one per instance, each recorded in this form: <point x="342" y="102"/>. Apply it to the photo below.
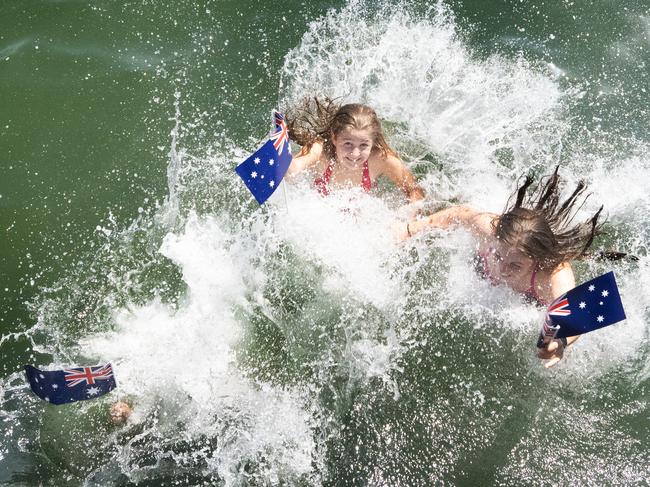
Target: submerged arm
<point x="477" y="222"/>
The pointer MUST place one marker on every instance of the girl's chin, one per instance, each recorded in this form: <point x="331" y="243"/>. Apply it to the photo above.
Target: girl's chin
<point x="350" y="164"/>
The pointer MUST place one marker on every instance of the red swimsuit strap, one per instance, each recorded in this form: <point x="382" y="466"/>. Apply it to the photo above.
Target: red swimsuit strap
<point x="531" y="292"/>
<point x="327" y="175"/>
<point x="366" y="183"/>
<point x="323" y="182"/>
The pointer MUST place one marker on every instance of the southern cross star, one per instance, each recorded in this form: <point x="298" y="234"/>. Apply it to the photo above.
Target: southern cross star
<point x="92" y="391"/>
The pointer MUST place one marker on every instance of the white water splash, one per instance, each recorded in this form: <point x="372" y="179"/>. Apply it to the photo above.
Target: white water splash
<point x="417" y="72"/>
<point x="486" y="119"/>
<point x="490" y="119"/>
<point x="187" y="357"/>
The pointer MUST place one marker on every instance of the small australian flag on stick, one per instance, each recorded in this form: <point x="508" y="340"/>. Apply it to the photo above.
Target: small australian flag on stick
<point x="70" y="385"/>
<point x="263" y="171"/>
<point x="587" y="307"/>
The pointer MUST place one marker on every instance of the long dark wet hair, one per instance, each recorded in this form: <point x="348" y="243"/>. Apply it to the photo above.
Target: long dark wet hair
<point x="315" y="120"/>
<point x="541" y="227"/>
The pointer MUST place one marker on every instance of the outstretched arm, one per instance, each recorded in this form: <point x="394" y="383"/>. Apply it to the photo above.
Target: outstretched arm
<point x="477" y="222"/>
<point x="562" y="280"/>
<point x="397" y="172"/>
<point x="305" y="159"/>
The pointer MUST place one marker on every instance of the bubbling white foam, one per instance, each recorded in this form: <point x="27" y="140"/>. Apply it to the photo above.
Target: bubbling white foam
<point x="187" y="356"/>
<point x="350" y="233"/>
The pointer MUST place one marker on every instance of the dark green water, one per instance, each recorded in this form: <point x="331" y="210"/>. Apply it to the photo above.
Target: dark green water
<point x="320" y="353"/>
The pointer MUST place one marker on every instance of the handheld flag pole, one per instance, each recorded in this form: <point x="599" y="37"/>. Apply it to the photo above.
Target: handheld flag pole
<point x="286" y="200"/>
<point x="274" y="127"/>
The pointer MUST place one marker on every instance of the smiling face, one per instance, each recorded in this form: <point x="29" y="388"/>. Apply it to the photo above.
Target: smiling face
<point x="352" y="146"/>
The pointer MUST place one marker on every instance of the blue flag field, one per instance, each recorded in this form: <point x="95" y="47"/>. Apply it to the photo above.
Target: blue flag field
<point x="70" y="385"/>
<point x="587" y="307"/>
<point x="263" y="171"/>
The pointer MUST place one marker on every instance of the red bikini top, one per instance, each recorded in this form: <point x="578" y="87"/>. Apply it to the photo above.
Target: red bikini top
<point x="322" y="183"/>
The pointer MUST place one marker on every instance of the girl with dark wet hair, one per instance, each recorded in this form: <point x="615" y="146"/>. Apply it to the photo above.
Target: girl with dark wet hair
<point x="344" y="145"/>
<point x="528" y="247"/>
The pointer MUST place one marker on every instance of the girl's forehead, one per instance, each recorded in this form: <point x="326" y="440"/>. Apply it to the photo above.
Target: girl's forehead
<point x="512" y="254"/>
<point x="350" y="133"/>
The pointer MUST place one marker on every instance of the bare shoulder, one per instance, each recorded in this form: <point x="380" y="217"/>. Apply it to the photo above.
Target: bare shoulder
<point x="560" y="280"/>
<point x="563" y="268"/>
<point x="381" y="163"/>
<point x="317" y="148"/>
<point x="392" y="167"/>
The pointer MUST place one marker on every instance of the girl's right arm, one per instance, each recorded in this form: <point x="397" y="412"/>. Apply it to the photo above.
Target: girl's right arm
<point x="562" y="280"/>
<point x="475" y="221"/>
<point x="305" y="159"/>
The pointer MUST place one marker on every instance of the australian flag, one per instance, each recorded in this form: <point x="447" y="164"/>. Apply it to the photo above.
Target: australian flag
<point x="585" y="308"/>
<point x="70" y="385"/>
<point x="263" y="171"/>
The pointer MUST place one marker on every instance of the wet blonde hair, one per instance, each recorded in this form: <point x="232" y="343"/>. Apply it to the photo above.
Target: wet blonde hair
<point x="542" y="228"/>
<point x="316" y="121"/>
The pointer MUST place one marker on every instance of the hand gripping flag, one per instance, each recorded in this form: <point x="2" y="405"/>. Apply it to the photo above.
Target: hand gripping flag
<point x="585" y="308"/>
<point x="70" y="385"/>
<point x="263" y="171"/>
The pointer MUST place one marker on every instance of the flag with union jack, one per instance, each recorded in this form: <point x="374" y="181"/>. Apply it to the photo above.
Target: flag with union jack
<point x="559" y="307"/>
<point x="87" y="375"/>
<point x="263" y="171"/>
<point x="280" y="135"/>
<point x="587" y="307"/>
<point x="70" y="385"/>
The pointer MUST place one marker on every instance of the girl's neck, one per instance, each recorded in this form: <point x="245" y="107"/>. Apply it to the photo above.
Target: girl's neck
<point x="348" y="167"/>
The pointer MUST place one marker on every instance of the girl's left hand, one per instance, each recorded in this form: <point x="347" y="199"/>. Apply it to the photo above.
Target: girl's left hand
<point x="553" y="352"/>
